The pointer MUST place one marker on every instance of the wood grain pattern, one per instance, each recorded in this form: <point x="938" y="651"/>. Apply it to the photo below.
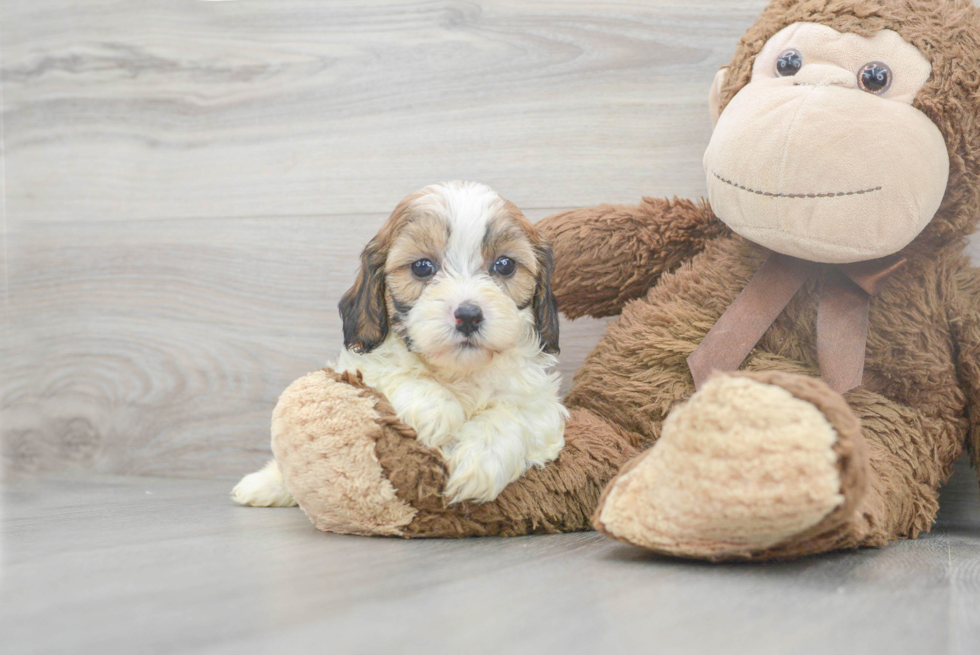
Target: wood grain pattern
<point x="162" y="566"/>
<point x="160" y="347"/>
<point x="188" y="185"/>
<point x="181" y="108"/>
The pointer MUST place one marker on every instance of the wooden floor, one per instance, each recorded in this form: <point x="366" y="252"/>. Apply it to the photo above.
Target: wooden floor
<point x="186" y="186"/>
<point x="150" y="565"/>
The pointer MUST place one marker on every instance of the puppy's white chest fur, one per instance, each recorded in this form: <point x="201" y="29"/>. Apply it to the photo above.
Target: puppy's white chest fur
<point x="490" y="423"/>
<point x="453" y="319"/>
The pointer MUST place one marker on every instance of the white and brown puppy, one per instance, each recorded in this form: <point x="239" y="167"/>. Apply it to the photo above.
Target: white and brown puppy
<point x="453" y="319"/>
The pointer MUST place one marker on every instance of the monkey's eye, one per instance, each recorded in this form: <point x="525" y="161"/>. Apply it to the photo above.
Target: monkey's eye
<point x="789" y="63"/>
<point x="504" y="266"/>
<point x="875" y="78"/>
<point x="423" y="269"/>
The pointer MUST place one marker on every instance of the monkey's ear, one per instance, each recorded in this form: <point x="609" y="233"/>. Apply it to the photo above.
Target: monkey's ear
<point x="363" y="308"/>
<point x="544" y="305"/>
<point x="714" y="96"/>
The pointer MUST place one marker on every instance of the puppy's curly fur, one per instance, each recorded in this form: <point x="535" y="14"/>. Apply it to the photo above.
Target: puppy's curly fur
<point x="453" y="320"/>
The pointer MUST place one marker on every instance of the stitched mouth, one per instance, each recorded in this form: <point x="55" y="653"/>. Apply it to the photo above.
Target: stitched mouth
<point x="770" y="194"/>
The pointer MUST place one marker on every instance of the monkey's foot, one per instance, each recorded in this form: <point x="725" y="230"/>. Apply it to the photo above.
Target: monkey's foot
<point x="325" y="429"/>
<point x="753" y="466"/>
<point x="354" y="467"/>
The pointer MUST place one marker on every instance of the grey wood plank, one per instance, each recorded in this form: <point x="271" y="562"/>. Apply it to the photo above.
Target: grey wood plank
<point x="133" y="344"/>
<point x="160" y="347"/>
<point x="162" y="566"/>
<point x="959" y="529"/>
<point x="4" y="292"/>
<point x="163" y="108"/>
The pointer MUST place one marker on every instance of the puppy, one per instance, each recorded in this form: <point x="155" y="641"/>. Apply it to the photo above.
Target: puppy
<point x="452" y="319"/>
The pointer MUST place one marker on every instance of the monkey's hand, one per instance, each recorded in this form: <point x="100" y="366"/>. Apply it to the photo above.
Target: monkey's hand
<point x="607" y="255"/>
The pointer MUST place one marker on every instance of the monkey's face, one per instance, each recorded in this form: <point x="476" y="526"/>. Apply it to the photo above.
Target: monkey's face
<point x="822" y="155"/>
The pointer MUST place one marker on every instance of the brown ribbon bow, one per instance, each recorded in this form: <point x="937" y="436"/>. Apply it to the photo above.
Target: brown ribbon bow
<point x="842" y="316"/>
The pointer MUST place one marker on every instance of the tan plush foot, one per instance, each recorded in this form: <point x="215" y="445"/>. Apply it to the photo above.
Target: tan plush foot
<point x="324" y="431"/>
<point x="753" y="465"/>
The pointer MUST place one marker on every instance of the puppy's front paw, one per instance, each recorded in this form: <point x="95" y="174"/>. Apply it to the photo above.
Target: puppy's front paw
<point x="264" y="488"/>
<point x="433" y="413"/>
<point x="482" y="463"/>
<point x="476" y="481"/>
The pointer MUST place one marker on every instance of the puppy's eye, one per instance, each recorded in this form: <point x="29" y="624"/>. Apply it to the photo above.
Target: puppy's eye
<point x="874" y="78"/>
<point x="423" y="268"/>
<point x="789" y="63"/>
<point x="504" y="266"/>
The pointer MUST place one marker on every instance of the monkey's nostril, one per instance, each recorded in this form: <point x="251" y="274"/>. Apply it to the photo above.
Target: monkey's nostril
<point x="468" y="318"/>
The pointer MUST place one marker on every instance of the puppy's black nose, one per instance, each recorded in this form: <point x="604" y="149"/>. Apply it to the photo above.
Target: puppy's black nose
<point x="468" y="318"/>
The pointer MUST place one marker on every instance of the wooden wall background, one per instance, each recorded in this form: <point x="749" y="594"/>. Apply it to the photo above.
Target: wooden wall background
<point x="187" y="186"/>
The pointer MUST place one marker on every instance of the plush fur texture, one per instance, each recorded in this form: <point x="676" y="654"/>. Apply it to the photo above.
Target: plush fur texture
<point x="485" y="394"/>
<point x="787" y="169"/>
<point x="774" y="473"/>
<point x="671" y="269"/>
<point x="482" y="391"/>
<point x="946" y="32"/>
<point x="325" y="428"/>
<point x="491" y="424"/>
<point x="326" y="422"/>
<point x="787" y="462"/>
<point x="629" y="247"/>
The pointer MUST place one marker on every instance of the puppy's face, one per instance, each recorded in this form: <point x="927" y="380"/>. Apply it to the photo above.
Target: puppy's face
<point x="459" y="273"/>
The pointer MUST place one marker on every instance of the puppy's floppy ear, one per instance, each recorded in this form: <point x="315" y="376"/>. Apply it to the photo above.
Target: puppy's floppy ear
<point x="363" y="309"/>
<point x="544" y="305"/>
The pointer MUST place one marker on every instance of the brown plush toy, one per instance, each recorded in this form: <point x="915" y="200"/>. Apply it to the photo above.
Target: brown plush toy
<point x="843" y="176"/>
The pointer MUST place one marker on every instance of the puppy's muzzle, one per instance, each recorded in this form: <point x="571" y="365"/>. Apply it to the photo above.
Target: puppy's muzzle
<point x="468" y="318"/>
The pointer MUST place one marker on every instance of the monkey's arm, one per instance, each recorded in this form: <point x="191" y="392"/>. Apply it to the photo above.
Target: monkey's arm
<point x="964" y="307"/>
<point x="607" y="255"/>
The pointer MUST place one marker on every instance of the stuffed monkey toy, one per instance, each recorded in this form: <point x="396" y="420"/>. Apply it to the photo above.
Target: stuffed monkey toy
<point x="796" y="365"/>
